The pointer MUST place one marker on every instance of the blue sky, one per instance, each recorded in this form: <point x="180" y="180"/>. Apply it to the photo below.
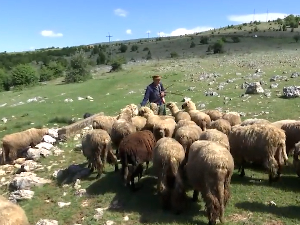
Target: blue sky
<point x="30" y="24"/>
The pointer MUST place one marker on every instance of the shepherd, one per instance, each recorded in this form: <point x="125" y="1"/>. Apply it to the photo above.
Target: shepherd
<point x="155" y="93"/>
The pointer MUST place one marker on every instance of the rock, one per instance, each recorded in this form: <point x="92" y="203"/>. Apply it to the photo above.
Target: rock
<point x="44" y="145"/>
<point x="21" y="194"/>
<point x="63" y="204"/>
<point x="294" y="75"/>
<point x="33" y="153"/>
<point x="47" y="222"/>
<point x="274" y="85"/>
<point x="254" y="88"/>
<point x="80" y="192"/>
<point x="26" y="180"/>
<point x="291" y="91"/>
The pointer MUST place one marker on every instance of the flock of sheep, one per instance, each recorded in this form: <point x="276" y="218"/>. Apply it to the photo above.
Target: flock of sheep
<point x="190" y="150"/>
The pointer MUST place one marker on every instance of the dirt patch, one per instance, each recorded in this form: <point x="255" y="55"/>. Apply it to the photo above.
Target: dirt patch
<point x="273" y="222"/>
<point x="238" y="217"/>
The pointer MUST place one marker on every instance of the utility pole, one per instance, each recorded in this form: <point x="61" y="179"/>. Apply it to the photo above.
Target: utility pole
<point x="148" y="32"/>
<point x="109" y="36"/>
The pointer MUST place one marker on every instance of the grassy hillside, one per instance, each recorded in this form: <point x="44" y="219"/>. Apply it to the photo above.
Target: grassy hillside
<point x="222" y="73"/>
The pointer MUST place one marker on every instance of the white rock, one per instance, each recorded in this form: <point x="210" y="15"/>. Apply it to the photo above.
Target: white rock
<point x="44" y="145"/>
<point x="63" y="204"/>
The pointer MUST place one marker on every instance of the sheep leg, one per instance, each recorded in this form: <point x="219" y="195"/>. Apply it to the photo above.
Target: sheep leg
<point x="99" y="167"/>
<point x="147" y="166"/>
<point x="125" y="172"/>
<point x="195" y="196"/>
<point x="159" y="182"/>
<point x="242" y="168"/>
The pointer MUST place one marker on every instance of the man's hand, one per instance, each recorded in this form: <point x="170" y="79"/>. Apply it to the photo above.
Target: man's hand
<point x="162" y="94"/>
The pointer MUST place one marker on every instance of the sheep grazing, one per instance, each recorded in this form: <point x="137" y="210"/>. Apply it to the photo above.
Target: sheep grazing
<point x="234" y="118"/>
<point x="296" y="159"/>
<point x="11" y="213"/>
<point x="164" y="129"/>
<point x="139" y="122"/>
<point x="104" y="122"/>
<point x="200" y="118"/>
<point x="221" y="125"/>
<point x="259" y="143"/>
<point x="216" y="136"/>
<point x="208" y="170"/>
<point x="254" y="121"/>
<point x="168" y="154"/>
<point x="87" y="115"/>
<point x="187" y="135"/>
<point x="135" y="149"/>
<point x="182" y="123"/>
<point x="14" y="144"/>
<point x="97" y="148"/>
<point x="179" y="115"/>
<point x="214" y="114"/>
<point x="279" y="123"/>
<point x="292" y="131"/>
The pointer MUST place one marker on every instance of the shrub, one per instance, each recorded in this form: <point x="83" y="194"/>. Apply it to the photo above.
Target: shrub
<point x="218" y="47"/>
<point x="149" y="55"/>
<point x="101" y="58"/>
<point x="204" y="40"/>
<point x="123" y="48"/>
<point x="296" y="37"/>
<point x="174" y="54"/>
<point x="78" y="69"/>
<point x="116" y="63"/>
<point x="235" y="39"/>
<point x="146" y="49"/>
<point x="24" y="75"/>
<point x="57" y="69"/>
<point x="134" y="48"/>
<point x="46" y="74"/>
<point x="224" y="39"/>
<point x="5" y="80"/>
<point x="192" y="45"/>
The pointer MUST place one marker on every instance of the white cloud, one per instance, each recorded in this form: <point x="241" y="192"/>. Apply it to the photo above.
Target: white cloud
<point x="50" y="33"/>
<point x="128" y="31"/>
<point x="183" y="31"/>
<point x="120" y="12"/>
<point x="258" y="17"/>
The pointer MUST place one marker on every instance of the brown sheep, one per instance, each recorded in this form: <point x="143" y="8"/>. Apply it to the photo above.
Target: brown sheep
<point x="259" y="143"/>
<point x="214" y="114"/>
<point x="182" y="123"/>
<point x="208" y="170"/>
<point x="135" y="149"/>
<point x="179" y="115"/>
<point x="97" y="148"/>
<point x="200" y="118"/>
<point x="292" y="131"/>
<point x="104" y="122"/>
<point x="254" y="121"/>
<point x="296" y="159"/>
<point x="14" y="144"/>
<point x="164" y="129"/>
<point x="234" y="118"/>
<point x="221" y="125"/>
<point x="168" y="154"/>
<point x="216" y="136"/>
<point x="187" y="135"/>
<point x="11" y="213"/>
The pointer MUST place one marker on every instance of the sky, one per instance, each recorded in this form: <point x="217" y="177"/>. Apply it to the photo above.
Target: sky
<point x="32" y="24"/>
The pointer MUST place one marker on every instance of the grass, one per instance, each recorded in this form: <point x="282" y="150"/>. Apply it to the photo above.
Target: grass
<point x="112" y="91"/>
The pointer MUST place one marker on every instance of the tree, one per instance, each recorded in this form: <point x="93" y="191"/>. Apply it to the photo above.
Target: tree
<point x="123" y="48"/>
<point x="218" y="47"/>
<point x="204" y="40"/>
<point x="101" y="59"/>
<point x="134" y="48"/>
<point x="4" y="80"/>
<point x="24" y="75"/>
<point x="46" y="74"/>
<point x="57" y="69"/>
<point x="78" y="69"/>
<point x="149" y="55"/>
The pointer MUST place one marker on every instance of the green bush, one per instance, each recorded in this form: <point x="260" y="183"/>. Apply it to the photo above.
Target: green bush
<point x="149" y="55"/>
<point x="24" y="75"/>
<point x="5" y="81"/>
<point x="204" y="40"/>
<point x="192" y="45"/>
<point x="174" y="54"/>
<point x="146" y="49"/>
<point x="116" y="63"/>
<point x="296" y="37"/>
<point x="101" y="59"/>
<point x="78" y="69"/>
<point x="46" y="74"/>
<point x="134" y="48"/>
<point x="218" y="47"/>
<point x="235" y="39"/>
<point x="123" y="48"/>
<point x="57" y="69"/>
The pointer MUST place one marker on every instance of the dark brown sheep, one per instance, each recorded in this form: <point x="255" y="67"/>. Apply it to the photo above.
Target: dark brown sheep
<point x="135" y="149"/>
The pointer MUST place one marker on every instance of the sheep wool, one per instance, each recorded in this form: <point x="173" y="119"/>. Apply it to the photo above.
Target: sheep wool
<point x="208" y="171"/>
<point x="164" y="129"/>
<point x="292" y="135"/>
<point x="296" y="159"/>
<point x="221" y="125"/>
<point x="135" y="149"/>
<point x="214" y="114"/>
<point x="215" y="135"/>
<point x="104" y="122"/>
<point x="259" y="143"/>
<point x="139" y="122"/>
<point x="11" y="213"/>
<point x="178" y="115"/>
<point x="254" y="121"/>
<point x="234" y="118"/>
<point x="97" y="148"/>
<point x="182" y="123"/>
<point x="13" y="144"/>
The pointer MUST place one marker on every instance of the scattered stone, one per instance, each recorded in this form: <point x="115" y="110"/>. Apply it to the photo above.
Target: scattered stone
<point x="254" y="88"/>
<point x="272" y="86"/>
<point x="26" y="180"/>
<point x="47" y="222"/>
<point x="294" y="75"/>
<point x="291" y="91"/>
<point x="63" y="204"/>
<point x="20" y="195"/>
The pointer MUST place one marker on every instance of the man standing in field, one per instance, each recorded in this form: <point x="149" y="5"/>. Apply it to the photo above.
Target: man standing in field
<point x="155" y="93"/>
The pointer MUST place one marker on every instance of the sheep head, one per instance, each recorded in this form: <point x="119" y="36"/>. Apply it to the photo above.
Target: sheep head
<point x="154" y="108"/>
<point x="188" y="106"/>
<point x="134" y="109"/>
<point x="145" y="112"/>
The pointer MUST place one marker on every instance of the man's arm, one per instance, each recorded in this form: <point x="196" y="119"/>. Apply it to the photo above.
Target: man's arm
<point x="146" y="96"/>
<point x="162" y="89"/>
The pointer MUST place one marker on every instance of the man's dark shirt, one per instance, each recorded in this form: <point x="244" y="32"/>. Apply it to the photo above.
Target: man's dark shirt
<point x="153" y="94"/>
